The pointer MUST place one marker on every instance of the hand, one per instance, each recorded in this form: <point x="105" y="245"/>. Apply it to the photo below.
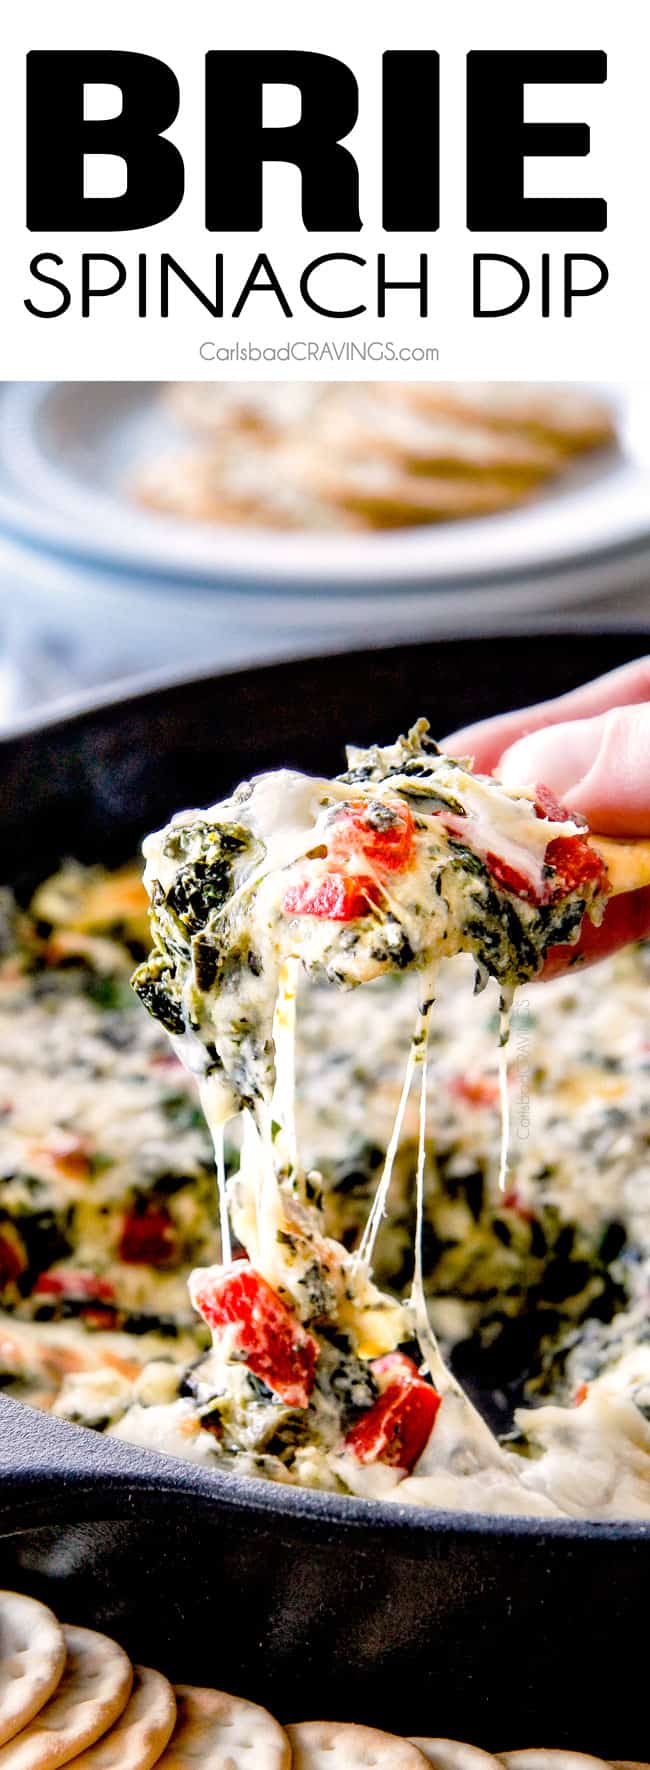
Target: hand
<point x="592" y="748"/>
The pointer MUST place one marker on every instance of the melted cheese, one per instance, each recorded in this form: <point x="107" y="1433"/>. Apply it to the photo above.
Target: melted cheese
<point x="437" y="903"/>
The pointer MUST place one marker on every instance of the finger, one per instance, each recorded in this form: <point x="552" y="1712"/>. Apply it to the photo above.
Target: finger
<point x="487" y="740"/>
<point x="626" y="919"/>
<point x="598" y="767"/>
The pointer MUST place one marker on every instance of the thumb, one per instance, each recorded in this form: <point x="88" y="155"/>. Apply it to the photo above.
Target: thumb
<point x="599" y="767"/>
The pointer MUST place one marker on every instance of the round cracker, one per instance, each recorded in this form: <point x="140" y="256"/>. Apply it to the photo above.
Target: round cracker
<point x="339" y="1745"/>
<point x="627" y="863"/>
<point x="557" y="412"/>
<point x="94" y="1689"/>
<point x="138" y="1738"/>
<point x="223" y="1733"/>
<point x="390" y="496"/>
<point x="453" y="1754"/>
<point x="236" y="487"/>
<point x="435" y="444"/>
<point x="265" y="408"/>
<point x="32" y="1657"/>
<point x="538" y="1758"/>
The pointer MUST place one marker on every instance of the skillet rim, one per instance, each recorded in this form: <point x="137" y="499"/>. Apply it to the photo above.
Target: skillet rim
<point x="111" y="1474"/>
<point x="125" y="691"/>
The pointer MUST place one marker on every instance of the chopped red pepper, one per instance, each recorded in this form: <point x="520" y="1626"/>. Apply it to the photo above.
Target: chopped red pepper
<point x="475" y="1090"/>
<point x="397" y="1427"/>
<point x="269" y="1339"/>
<point x="574" y="864"/>
<point x="380" y="829"/>
<point x="581" y="1394"/>
<point x="546" y="805"/>
<point x="510" y="879"/>
<point x="74" y="1284"/>
<point x="569" y="859"/>
<point x="148" y="1238"/>
<point x="336" y="896"/>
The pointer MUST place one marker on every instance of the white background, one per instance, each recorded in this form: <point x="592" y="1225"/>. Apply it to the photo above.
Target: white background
<point x="607" y="336"/>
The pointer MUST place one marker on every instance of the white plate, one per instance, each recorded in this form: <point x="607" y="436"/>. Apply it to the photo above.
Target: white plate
<point x="67" y="451"/>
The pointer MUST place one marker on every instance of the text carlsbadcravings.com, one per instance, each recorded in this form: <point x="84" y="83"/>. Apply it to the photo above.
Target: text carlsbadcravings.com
<point x="314" y="350"/>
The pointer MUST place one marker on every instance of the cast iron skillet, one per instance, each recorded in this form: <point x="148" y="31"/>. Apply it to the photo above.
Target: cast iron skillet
<point x="507" y="1632"/>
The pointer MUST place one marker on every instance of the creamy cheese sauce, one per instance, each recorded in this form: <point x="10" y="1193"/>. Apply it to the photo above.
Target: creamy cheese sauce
<point x="107" y="1189"/>
<point x="373" y="1144"/>
<point x="227" y="886"/>
<point x="475" y="878"/>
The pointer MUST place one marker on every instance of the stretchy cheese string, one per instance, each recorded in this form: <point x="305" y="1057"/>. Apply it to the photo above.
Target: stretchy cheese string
<point x="378" y="1207"/>
<point x="215" y="1124"/>
<point x="270" y="1206"/>
<point x="260" y="1186"/>
<point x="431" y="1353"/>
<point x="417" y="1294"/>
<point x="441" y="1377"/>
<point x="283" y="1106"/>
<point x="224" y="1224"/>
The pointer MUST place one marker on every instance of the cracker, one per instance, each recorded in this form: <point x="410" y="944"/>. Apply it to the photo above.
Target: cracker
<point x="138" y="1738"/>
<point x="537" y="1758"/>
<point x="94" y="1689"/>
<point x="224" y="1733"/>
<point x="345" y="456"/>
<point x="339" y="1745"/>
<point x="436" y="443"/>
<point x="390" y="497"/>
<point x="32" y="1657"/>
<point x="263" y="408"/>
<point x="554" y="412"/>
<point x="452" y="1754"/>
<point x="627" y="863"/>
<point x="628" y="1764"/>
<point x="238" y="487"/>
